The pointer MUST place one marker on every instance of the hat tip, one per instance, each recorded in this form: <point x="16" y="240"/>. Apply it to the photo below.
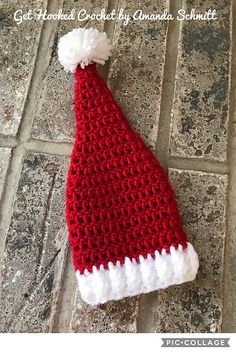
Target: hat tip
<point x="83" y="46"/>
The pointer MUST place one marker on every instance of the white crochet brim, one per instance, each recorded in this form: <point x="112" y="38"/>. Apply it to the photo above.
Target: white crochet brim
<point x="133" y="278"/>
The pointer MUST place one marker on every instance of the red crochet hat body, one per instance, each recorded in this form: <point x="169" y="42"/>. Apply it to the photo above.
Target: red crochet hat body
<point x="124" y="226"/>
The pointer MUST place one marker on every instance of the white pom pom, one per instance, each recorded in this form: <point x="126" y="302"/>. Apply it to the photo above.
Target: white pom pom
<point x="82" y="47"/>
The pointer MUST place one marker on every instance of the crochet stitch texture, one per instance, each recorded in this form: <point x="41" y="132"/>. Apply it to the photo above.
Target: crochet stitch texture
<point x="120" y="204"/>
<point x="124" y="226"/>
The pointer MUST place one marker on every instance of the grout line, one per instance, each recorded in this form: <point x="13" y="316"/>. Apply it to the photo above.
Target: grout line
<point x="168" y="86"/>
<point x="66" y="299"/>
<point x="110" y="25"/>
<point x="229" y="280"/>
<point x="109" y="29"/>
<point x="146" y="313"/>
<point x="202" y="166"/>
<point x="49" y="147"/>
<point x="11" y="184"/>
<point x="61" y="267"/>
<point x="145" y="319"/>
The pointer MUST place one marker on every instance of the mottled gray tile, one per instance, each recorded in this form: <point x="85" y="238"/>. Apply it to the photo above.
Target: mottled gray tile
<point x="17" y="56"/>
<point x="136" y="70"/>
<point x="201" y="103"/>
<point x="197" y="306"/>
<point x="54" y="116"/>
<point x="114" y="317"/>
<point x="35" y="247"/>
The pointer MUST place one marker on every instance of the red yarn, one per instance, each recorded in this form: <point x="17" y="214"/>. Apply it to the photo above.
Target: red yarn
<point x="119" y="202"/>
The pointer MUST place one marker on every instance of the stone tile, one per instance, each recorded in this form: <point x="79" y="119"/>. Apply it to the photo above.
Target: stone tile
<point x="5" y="154"/>
<point x="113" y="317"/>
<point x="200" y="110"/>
<point x="136" y="70"/>
<point x="197" y="306"/>
<point x="54" y="115"/>
<point x="35" y="247"/>
<point x="17" y="59"/>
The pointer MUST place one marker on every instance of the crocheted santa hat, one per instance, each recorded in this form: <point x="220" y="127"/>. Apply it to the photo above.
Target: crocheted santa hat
<point x="124" y="226"/>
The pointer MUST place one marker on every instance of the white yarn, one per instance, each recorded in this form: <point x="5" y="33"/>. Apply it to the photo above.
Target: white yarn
<point x="132" y="278"/>
<point x="82" y="47"/>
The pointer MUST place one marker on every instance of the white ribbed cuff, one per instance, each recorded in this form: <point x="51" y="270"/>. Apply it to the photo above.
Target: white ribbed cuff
<point x="133" y="278"/>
